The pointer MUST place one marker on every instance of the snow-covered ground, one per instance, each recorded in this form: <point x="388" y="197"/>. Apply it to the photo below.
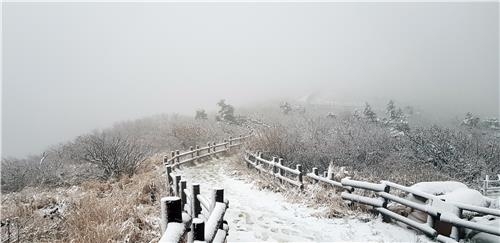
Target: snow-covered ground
<point x="256" y="215"/>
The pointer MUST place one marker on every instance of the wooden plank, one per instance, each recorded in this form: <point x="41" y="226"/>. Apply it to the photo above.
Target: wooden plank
<point x="293" y="182"/>
<point x="375" y="202"/>
<point x="454" y="220"/>
<point x="289" y="170"/>
<point x="421" y="207"/>
<point x="363" y="185"/>
<point x="325" y="180"/>
<point x="414" y="224"/>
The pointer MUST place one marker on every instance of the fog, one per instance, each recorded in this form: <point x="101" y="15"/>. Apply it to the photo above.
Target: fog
<point x="69" y="68"/>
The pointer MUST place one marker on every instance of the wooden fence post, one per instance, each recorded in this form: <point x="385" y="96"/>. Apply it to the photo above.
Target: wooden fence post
<point x="198" y="229"/>
<point x="275" y="160"/>
<point x="171" y="211"/>
<point x="280" y="171"/>
<point x="315" y="172"/>
<point x="173" y="157"/>
<point x="197" y="150"/>
<point x="257" y="161"/>
<point x="299" y="177"/>
<point x="196" y="207"/>
<point x="183" y="193"/>
<point x="192" y="153"/>
<point x="178" y="157"/>
<point x="215" y="148"/>
<point x="169" y="179"/>
<point x="325" y="174"/>
<point x="430" y="218"/>
<point x="218" y="197"/>
<point x="386" y="218"/>
<point x="208" y="145"/>
<point x="177" y="184"/>
<point x="165" y="159"/>
<point x="230" y="141"/>
<point x="486" y="182"/>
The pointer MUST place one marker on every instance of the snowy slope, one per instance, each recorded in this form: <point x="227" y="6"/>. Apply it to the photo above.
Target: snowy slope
<point x="256" y="215"/>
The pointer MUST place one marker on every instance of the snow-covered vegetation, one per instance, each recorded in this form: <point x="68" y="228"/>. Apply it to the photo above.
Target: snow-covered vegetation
<point x="106" y="184"/>
<point x="394" y="144"/>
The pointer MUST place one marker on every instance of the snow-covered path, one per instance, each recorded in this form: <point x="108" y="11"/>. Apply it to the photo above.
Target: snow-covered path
<point x="256" y="215"/>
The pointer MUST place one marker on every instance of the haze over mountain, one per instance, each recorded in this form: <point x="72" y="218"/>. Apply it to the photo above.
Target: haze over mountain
<point x="69" y="68"/>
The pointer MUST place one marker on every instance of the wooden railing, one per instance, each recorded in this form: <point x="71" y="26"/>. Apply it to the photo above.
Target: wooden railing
<point x="489" y="186"/>
<point x="188" y="215"/>
<point x="275" y="168"/>
<point x="382" y="194"/>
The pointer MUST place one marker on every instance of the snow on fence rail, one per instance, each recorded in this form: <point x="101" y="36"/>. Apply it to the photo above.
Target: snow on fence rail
<point x="439" y="212"/>
<point x="188" y="215"/>
<point x="275" y="168"/>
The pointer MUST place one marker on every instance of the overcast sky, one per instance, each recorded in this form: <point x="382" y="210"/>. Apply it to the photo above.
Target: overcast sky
<point x="71" y="67"/>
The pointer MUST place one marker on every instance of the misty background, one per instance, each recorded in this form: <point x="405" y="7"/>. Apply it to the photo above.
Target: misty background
<point x="69" y="68"/>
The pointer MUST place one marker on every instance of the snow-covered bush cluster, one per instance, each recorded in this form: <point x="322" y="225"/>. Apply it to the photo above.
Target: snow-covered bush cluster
<point x="111" y="152"/>
<point x="381" y="147"/>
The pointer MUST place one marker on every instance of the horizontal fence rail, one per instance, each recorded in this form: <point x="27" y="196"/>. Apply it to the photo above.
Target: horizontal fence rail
<point x="379" y="195"/>
<point x="275" y="168"/>
<point x="189" y="216"/>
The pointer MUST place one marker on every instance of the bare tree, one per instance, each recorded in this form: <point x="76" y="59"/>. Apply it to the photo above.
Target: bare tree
<point x="115" y="155"/>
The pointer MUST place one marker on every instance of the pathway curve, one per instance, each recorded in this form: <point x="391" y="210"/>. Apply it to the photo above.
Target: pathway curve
<point x="257" y="215"/>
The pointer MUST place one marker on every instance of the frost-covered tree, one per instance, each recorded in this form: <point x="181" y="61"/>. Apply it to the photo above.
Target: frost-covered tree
<point x="369" y="113"/>
<point x="391" y="110"/>
<point x="470" y="120"/>
<point x="226" y="112"/>
<point x="114" y="154"/>
<point x="201" y="115"/>
<point x="286" y="108"/>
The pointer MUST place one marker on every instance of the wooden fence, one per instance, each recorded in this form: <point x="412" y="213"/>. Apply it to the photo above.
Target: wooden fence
<point x="440" y="214"/>
<point x="188" y="215"/>
<point x="489" y="186"/>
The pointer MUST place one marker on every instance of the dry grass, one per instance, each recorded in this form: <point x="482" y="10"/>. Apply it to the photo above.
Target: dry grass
<point x="316" y="196"/>
<point x="124" y="210"/>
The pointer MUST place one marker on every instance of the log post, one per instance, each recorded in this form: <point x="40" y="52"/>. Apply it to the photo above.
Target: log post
<point x="208" y="145"/>
<point x="183" y="193"/>
<point x="280" y="171"/>
<point x="197" y="150"/>
<point x="430" y="218"/>
<point x="177" y="184"/>
<point x="486" y="182"/>
<point x="173" y="157"/>
<point x="165" y="159"/>
<point x="169" y="179"/>
<point x="315" y="172"/>
<point x="455" y="230"/>
<point x="198" y="229"/>
<point x="299" y="177"/>
<point x="225" y="145"/>
<point x="171" y="211"/>
<point x="178" y="157"/>
<point x="275" y="160"/>
<point x="230" y="141"/>
<point x="215" y="147"/>
<point x="192" y="153"/>
<point x="385" y="218"/>
<point x="325" y="174"/>
<point x="196" y="207"/>
<point x="218" y="197"/>
<point x="257" y="161"/>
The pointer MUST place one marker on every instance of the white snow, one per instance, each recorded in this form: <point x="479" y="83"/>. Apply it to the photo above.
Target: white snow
<point x="467" y="196"/>
<point x="256" y="215"/>
<point x="438" y="187"/>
